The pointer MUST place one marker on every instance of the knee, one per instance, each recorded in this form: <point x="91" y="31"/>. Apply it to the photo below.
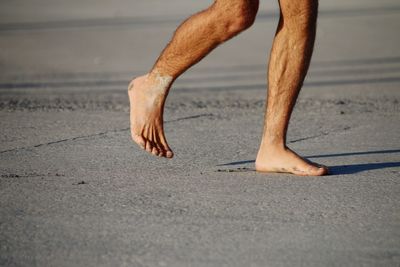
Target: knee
<point x="241" y="19"/>
<point x="237" y="16"/>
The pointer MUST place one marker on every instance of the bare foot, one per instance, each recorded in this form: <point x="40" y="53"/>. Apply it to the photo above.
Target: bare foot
<point x="277" y="159"/>
<point x="147" y="97"/>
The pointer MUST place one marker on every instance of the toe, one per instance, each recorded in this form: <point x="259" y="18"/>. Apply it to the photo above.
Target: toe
<point x="323" y="170"/>
<point x="157" y="143"/>
<point x="310" y="170"/>
<point x="317" y="170"/>
<point x="169" y="154"/>
<point x="148" y="146"/>
<point x="160" y="146"/>
<point x="161" y="151"/>
<point x="165" y="146"/>
<point x="139" y="140"/>
<point x="155" y="151"/>
<point x="320" y="169"/>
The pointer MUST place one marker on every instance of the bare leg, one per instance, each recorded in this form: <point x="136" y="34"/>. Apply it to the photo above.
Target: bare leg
<point x="192" y="41"/>
<point x="290" y="58"/>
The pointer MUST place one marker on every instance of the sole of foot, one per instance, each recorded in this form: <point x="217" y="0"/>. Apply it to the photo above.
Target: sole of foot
<point x="146" y="116"/>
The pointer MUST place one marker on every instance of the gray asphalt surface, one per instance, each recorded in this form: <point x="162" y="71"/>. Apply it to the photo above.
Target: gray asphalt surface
<point x="75" y="191"/>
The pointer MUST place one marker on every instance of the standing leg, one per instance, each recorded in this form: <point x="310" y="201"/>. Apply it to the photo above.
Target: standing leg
<point x="192" y="41"/>
<point x="289" y="61"/>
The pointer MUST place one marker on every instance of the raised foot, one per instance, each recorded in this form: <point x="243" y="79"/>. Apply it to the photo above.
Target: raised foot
<point x="147" y="97"/>
<point x="284" y="160"/>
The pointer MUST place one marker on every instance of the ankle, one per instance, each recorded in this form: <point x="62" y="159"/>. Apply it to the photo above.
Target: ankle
<point x="152" y="84"/>
<point x="161" y="79"/>
<point x="267" y="146"/>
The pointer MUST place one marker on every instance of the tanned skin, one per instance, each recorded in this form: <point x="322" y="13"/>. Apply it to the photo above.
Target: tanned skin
<point x="198" y="36"/>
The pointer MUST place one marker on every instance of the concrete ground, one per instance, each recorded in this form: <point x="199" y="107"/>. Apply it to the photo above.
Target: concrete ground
<point x="75" y="191"/>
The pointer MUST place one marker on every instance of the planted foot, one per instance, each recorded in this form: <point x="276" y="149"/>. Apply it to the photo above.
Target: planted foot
<point x="284" y="160"/>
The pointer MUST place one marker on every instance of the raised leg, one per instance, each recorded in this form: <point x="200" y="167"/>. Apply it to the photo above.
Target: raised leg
<point x="192" y="41"/>
<point x="289" y="61"/>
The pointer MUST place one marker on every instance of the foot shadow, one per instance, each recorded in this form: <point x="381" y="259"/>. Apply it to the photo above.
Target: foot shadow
<point x="356" y="168"/>
<point x="343" y="169"/>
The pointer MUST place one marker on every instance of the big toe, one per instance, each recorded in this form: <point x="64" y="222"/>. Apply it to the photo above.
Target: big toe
<point x="169" y="154"/>
<point x="323" y="170"/>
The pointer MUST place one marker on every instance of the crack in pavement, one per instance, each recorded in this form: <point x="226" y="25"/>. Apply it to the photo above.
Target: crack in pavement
<point x="308" y="137"/>
<point x="191" y="117"/>
<point x="98" y="134"/>
<point x="30" y="175"/>
<point x="175" y="120"/>
<point x="318" y="135"/>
